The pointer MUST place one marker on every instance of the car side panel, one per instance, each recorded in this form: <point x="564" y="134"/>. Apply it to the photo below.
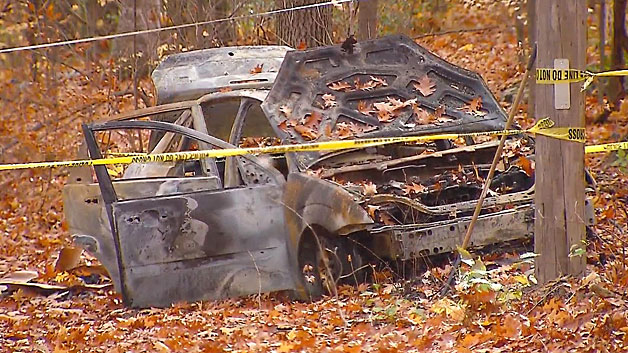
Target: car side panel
<point x="205" y="245"/>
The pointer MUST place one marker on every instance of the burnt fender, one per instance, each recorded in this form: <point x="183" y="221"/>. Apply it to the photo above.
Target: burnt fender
<point x="310" y="201"/>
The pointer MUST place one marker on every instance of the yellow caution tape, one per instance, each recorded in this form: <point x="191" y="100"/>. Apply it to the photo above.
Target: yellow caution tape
<point x="542" y="127"/>
<point x="547" y="76"/>
<point x="607" y="147"/>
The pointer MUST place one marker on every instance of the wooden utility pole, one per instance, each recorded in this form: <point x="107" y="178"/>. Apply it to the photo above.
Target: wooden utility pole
<point x="559" y="197"/>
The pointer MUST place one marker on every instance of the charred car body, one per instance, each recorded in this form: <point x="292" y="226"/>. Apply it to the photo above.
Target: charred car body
<point x="235" y="226"/>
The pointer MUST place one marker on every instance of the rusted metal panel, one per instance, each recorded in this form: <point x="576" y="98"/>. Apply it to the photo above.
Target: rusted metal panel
<point x="442" y="237"/>
<point x="203" y="245"/>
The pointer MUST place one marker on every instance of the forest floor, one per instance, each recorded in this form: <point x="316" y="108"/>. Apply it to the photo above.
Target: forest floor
<point x="41" y="121"/>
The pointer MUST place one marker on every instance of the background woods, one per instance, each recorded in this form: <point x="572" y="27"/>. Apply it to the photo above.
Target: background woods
<point x="47" y="94"/>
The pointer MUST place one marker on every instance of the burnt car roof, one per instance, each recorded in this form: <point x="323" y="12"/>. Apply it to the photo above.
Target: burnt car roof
<point x="189" y="75"/>
<point x="306" y="76"/>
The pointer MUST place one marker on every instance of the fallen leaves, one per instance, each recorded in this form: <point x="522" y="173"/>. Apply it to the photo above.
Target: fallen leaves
<point x="257" y="69"/>
<point x="369" y="188"/>
<point x="69" y="258"/>
<point x="474" y="107"/>
<point x="453" y="310"/>
<point x="414" y="188"/>
<point x="364" y="108"/>
<point x="388" y="111"/>
<point x="526" y="165"/>
<point x="422" y="117"/>
<point x="340" y="86"/>
<point x="369" y="85"/>
<point x="425" y="85"/>
<point x="306" y="132"/>
<point x="329" y="100"/>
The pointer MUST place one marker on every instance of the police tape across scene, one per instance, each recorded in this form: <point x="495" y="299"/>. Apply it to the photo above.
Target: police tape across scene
<point x="543" y="127"/>
<point x="549" y="76"/>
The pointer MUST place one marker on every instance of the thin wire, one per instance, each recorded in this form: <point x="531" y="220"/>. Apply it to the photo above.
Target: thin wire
<point x="154" y="30"/>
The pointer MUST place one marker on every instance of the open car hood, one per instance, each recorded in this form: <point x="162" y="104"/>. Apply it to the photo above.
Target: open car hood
<point x="329" y="93"/>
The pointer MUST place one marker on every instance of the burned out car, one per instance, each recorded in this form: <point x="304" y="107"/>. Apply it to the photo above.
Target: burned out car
<point x="224" y="227"/>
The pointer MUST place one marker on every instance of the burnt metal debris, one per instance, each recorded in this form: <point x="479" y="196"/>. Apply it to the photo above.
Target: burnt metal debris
<point x="234" y="226"/>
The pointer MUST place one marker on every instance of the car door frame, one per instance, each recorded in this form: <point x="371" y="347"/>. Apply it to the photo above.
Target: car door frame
<point x="270" y="259"/>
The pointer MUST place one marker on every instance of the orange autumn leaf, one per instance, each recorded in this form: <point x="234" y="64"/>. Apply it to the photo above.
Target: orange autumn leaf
<point x="340" y="86"/>
<point x="425" y="85"/>
<point x="364" y="108"/>
<point x="474" y="107"/>
<point x="257" y="69"/>
<point x="312" y="120"/>
<point x="422" y="117"/>
<point x="414" y="188"/>
<point x="288" y="123"/>
<point x="306" y="132"/>
<point x="526" y="165"/>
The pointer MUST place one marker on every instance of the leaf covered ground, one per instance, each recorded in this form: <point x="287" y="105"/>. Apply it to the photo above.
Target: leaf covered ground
<point x="495" y="306"/>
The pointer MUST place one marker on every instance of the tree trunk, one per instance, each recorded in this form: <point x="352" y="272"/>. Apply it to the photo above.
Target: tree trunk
<point x="309" y="27"/>
<point x="559" y="229"/>
<point x="367" y="19"/>
<point x="531" y="8"/>
<point x="602" y="46"/>
<point x="146" y="16"/>
<point x="619" y="44"/>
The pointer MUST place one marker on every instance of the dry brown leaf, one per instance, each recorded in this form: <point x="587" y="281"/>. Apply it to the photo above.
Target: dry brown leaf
<point x="69" y="257"/>
<point x="364" y="108"/>
<point x="340" y="86"/>
<point x="414" y="189"/>
<point x="257" y="69"/>
<point x="302" y="45"/>
<point x="526" y="165"/>
<point x="425" y="85"/>
<point x="288" y="123"/>
<point x="367" y="86"/>
<point x="287" y="111"/>
<point x="306" y="132"/>
<point x="396" y="103"/>
<point x="385" y="111"/>
<point x="379" y="81"/>
<point x="385" y="116"/>
<point x="421" y="116"/>
<point x="474" y="107"/>
<point x="343" y="130"/>
<point x="312" y="120"/>
<point x="329" y="100"/>
<point x="370" y="189"/>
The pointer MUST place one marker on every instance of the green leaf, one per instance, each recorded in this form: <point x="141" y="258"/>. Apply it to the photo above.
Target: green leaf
<point x="576" y="250"/>
<point x="464" y="254"/>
